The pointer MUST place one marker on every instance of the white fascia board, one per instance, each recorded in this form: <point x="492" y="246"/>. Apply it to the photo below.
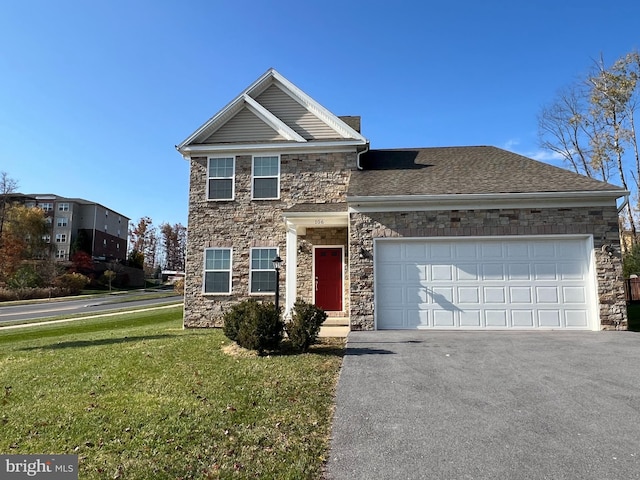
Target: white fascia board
<point x="300" y="221"/>
<point x="346" y="146"/>
<point x="228" y="111"/>
<point x="483" y="201"/>
<point x="273" y="121"/>
<point x="314" y="107"/>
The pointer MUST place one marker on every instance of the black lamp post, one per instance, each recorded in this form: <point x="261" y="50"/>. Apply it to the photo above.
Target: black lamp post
<point x="277" y="262"/>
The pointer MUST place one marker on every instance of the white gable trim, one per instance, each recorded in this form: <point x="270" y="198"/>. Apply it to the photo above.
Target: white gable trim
<point x="271" y="120"/>
<point x="314" y="107"/>
<point x="247" y="98"/>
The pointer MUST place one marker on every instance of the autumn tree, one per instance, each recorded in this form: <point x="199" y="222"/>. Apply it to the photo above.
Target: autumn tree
<point x="22" y="239"/>
<point x="174" y="241"/>
<point x="143" y="238"/>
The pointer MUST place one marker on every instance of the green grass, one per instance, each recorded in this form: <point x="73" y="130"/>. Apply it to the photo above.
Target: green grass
<point x="137" y="397"/>
<point x="633" y="314"/>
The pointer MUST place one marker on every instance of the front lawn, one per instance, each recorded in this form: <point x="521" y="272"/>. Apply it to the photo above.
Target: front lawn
<point x="137" y="397"/>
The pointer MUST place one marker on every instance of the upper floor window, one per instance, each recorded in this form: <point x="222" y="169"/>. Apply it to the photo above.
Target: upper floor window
<point x="61" y="238"/>
<point x="61" y="221"/>
<point x="217" y="270"/>
<point x="63" y="207"/>
<point x="220" y="178"/>
<point x="46" y="206"/>
<point x="262" y="273"/>
<point x="266" y="178"/>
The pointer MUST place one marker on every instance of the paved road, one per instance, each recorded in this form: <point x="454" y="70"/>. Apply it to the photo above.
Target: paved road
<point x="47" y="309"/>
<point x="478" y="405"/>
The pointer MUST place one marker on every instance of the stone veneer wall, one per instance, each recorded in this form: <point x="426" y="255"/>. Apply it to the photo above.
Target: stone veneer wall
<point x="601" y="222"/>
<point x="316" y="237"/>
<point x="243" y="223"/>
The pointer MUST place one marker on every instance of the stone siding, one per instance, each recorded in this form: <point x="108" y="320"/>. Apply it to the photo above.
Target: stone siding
<point x="601" y="222"/>
<point x="243" y="223"/>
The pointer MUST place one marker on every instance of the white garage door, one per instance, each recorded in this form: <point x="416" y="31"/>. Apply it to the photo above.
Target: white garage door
<point x="499" y="283"/>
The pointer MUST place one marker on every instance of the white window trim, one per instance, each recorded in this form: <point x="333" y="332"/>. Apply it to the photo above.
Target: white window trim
<point x="253" y="177"/>
<point x="233" y="179"/>
<point x="62" y="221"/>
<point x="62" y="238"/>
<point x="251" y="270"/>
<point x="204" y="271"/>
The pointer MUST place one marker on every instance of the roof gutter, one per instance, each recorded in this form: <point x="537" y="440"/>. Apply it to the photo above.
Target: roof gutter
<point x="625" y="203"/>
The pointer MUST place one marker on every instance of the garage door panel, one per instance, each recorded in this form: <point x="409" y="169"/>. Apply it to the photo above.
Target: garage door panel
<point x="520" y="294"/>
<point x="415" y="272"/>
<point x="574" y="295"/>
<point x="493" y="283"/>
<point x="547" y="294"/>
<point x="441" y="272"/>
<point x="492" y="271"/>
<point x="443" y="318"/>
<point x="576" y="319"/>
<point x="392" y="317"/>
<point x="545" y="271"/>
<point x="522" y="318"/>
<point x="470" y="318"/>
<point x="519" y="271"/>
<point x="469" y="295"/>
<point x="494" y="295"/>
<point x="467" y="272"/>
<point x="496" y="318"/>
<point x="549" y="318"/>
<point x="391" y="273"/>
<point x="393" y="295"/>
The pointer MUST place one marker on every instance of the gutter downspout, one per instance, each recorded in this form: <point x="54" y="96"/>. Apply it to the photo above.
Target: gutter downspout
<point x="624" y="204"/>
<point x="360" y="153"/>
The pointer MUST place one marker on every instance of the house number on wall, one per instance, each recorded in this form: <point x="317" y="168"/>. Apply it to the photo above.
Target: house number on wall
<point x="319" y="222"/>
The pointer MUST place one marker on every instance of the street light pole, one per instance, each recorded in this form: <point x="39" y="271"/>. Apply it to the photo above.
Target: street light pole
<point x="277" y="262"/>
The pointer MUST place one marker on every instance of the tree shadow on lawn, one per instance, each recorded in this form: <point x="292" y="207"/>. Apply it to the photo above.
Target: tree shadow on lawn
<point x="102" y="341"/>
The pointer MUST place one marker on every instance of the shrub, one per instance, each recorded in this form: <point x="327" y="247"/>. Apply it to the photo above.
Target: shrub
<point x="304" y="326"/>
<point x="24" y="278"/>
<point x="72" y="283"/>
<point x="178" y="286"/>
<point x="255" y="326"/>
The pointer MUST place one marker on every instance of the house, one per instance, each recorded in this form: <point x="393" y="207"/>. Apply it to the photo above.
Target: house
<point x="78" y="224"/>
<point x="443" y="238"/>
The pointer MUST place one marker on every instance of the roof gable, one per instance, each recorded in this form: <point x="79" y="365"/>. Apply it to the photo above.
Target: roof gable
<point x="272" y="109"/>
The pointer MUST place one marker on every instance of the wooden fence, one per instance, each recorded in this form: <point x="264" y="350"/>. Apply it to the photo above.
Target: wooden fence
<point x="632" y="289"/>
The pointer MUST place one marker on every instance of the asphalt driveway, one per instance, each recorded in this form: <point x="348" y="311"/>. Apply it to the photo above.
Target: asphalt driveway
<point x="488" y="405"/>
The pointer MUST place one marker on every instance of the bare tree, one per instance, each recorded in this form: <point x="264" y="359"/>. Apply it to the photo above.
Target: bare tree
<point x="174" y="239"/>
<point x="7" y="186"/>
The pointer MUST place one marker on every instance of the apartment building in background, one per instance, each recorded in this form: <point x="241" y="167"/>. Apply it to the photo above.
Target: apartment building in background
<point x="76" y="224"/>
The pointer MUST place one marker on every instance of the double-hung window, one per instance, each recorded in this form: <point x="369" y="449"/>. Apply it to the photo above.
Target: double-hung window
<point x="263" y="275"/>
<point x="217" y="270"/>
<point x="220" y="178"/>
<point x="266" y="178"/>
<point x="61" y="221"/>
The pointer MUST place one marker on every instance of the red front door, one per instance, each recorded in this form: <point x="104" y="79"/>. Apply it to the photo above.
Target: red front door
<point x="328" y="281"/>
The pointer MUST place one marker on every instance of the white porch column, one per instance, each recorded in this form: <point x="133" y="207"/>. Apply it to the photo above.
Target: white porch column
<point x="291" y="268"/>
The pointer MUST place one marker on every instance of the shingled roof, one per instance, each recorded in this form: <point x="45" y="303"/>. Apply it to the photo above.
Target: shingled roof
<point x="462" y="170"/>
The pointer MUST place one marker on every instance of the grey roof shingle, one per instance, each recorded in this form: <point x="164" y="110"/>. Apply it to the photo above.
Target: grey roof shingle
<point x="462" y="170"/>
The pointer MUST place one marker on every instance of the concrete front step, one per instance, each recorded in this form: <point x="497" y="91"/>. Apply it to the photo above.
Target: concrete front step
<point x="333" y="331"/>
<point x="336" y="322"/>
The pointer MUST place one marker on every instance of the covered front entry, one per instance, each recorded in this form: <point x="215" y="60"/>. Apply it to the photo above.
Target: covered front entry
<point x="328" y="273"/>
<point x="485" y="283"/>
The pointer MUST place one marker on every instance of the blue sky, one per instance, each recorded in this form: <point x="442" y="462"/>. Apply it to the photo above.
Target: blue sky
<point x="94" y="95"/>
